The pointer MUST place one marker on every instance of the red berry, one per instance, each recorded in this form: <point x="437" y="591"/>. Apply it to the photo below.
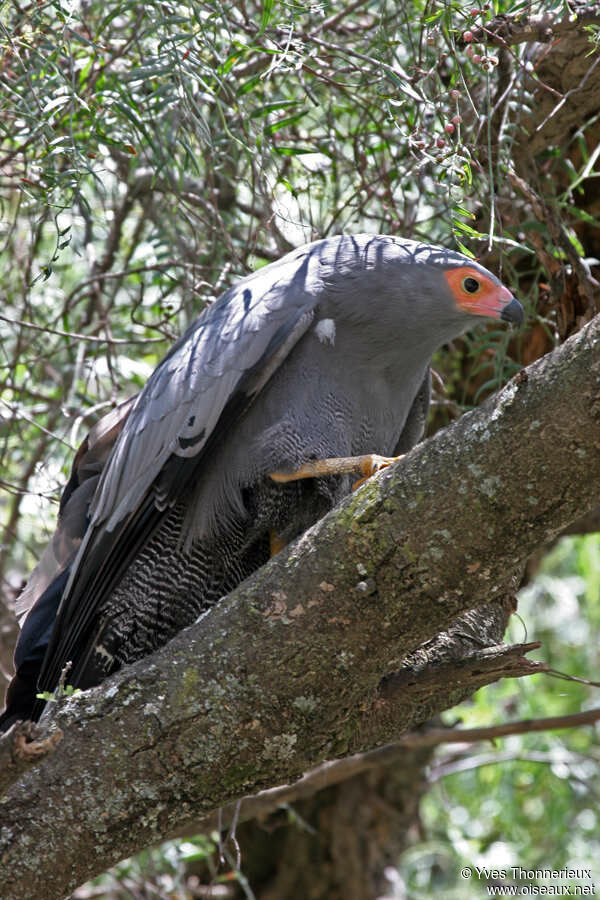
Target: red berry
<point x="457" y="120"/>
<point x="467" y="37"/>
<point x="440" y="143"/>
<point x="469" y="51"/>
<point x="449" y="128"/>
<point x="476" y="58"/>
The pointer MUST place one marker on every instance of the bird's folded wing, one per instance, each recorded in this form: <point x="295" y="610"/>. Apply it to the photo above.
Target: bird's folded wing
<point x="205" y="383"/>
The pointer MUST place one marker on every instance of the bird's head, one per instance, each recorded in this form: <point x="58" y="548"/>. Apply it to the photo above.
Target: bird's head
<point x="386" y="292"/>
<point x="429" y="294"/>
<point x="414" y="286"/>
<point x="479" y="293"/>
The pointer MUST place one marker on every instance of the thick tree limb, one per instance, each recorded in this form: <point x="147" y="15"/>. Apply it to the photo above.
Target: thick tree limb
<point x="284" y="672"/>
<point x="329" y="773"/>
<point x="563" y="85"/>
<point x="537" y="28"/>
<point x="559" y="74"/>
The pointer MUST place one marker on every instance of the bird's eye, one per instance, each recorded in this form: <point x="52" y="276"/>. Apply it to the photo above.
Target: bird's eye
<point x="470" y="285"/>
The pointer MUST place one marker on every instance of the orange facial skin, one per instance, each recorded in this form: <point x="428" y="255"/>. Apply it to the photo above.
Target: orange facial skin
<point x="476" y="292"/>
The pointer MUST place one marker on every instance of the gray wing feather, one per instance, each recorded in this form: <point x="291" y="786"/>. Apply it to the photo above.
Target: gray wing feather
<point x="205" y="382"/>
<point x="74" y="506"/>
<point x="238" y="343"/>
<point x="416" y="420"/>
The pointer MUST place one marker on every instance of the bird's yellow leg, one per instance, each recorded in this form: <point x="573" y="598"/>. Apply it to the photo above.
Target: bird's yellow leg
<point x="277" y="543"/>
<point x="365" y="465"/>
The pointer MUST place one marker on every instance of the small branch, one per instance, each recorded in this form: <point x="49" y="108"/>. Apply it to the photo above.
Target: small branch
<point x="547" y="215"/>
<point x="589" y="72"/>
<point x="401" y="78"/>
<point x="73" y="335"/>
<point x="457" y="762"/>
<point x="431" y="737"/>
<point x="333" y="21"/>
<point x="445" y="666"/>
<point x="480" y="668"/>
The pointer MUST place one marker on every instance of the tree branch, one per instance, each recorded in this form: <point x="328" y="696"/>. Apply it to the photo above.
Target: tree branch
<point x="537" y="28"/>
<point x="335" y="772"/>
<point x="285" y="672"/>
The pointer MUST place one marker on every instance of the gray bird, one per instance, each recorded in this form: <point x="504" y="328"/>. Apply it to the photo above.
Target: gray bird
<point x="243" y="436"/>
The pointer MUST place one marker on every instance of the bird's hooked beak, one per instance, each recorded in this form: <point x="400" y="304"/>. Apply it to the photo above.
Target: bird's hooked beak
<point x="513" y="311"/>
<point x="481" y="294"/>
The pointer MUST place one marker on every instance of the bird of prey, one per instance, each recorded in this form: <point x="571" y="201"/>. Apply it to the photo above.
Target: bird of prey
<point x="245" y="434"/>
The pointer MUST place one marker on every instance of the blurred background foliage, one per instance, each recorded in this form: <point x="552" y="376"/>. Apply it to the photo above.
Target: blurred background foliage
<point x="528" y="800"/>
<point x="150" y="154"/>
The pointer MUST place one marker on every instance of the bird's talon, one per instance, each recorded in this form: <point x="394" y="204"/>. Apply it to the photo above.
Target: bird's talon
<point x="371" y="464"/>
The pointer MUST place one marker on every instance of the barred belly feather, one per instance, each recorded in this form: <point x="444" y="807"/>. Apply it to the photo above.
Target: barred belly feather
<point x="168" y="586"/>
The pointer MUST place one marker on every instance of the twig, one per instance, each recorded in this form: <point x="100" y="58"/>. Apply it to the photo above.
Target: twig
<point x="565" y="97"/>
<point x="334" y="20"/>
<point x="18" y="413"/>
<point x="434" y="736"/>
<point x="80" y="337"/>
<point x="401" y="78"/>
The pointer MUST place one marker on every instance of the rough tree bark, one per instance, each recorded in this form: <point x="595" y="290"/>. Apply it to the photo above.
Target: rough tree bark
<point x="286" y="671"/>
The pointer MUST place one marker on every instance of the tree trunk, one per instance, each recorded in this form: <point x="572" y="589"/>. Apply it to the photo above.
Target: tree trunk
<point x="338" y="844"/>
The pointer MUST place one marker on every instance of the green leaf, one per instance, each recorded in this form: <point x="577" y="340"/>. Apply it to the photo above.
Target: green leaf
<point x="464" y="212"/>
<point x="288" y="186"/>
<point x="270" y="107"/>
<point x="293" y="151"/>
<point x="583" y="216"/>
<point x="462" y="226"/>
<point x="249" y="85"/>
<point x="228" y="64"/>
<point x="465" y="250"/>
<point x="266" y="15"/>
<point x="288" y="120"/>
<point x="403" y="85"/>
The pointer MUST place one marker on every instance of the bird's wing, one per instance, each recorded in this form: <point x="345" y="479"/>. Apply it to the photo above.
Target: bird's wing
<point x="416" y="419"/>
<point x="37" y="604"/>
<point x="72" y="523"/>
<point x="207" y="380"/>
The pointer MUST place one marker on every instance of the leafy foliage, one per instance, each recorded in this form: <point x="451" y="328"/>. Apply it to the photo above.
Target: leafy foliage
<point x="529" y="800"/>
